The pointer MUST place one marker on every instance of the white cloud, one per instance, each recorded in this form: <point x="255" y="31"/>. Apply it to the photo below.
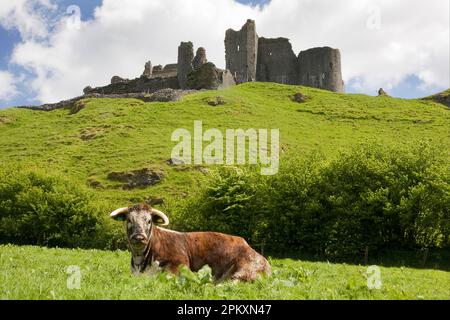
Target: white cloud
<point x="30" y="18"/>
<point x="8" y="89"/>
<point x="412" y="38"/>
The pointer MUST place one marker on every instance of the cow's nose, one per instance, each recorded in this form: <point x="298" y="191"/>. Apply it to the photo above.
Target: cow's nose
<point x="139" y="238"/>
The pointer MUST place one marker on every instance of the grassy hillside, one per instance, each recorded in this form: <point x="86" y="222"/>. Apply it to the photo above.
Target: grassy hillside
<point x="125" y="134"/>
<point x="40" y="273"/>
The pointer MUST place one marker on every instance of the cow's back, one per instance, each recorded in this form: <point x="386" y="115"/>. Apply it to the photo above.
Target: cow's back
<point x="228" y="256"/>
<point x="224" y="254"/>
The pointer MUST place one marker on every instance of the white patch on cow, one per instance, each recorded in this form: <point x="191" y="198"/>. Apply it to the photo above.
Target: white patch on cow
<point x="138" y="260"/>
<point x="153" y="268"/>
<point x="134" y="270"/>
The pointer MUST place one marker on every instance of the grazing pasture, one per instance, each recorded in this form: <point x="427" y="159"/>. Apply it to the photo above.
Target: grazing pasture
<point x="41" y="273"/>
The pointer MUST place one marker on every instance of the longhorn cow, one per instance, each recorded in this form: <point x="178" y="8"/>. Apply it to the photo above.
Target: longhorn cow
<point x="154" y="248"/>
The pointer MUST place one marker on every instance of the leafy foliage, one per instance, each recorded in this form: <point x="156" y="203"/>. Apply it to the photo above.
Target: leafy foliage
<point x="38" y="208"/>
<point x="373" y="196"/>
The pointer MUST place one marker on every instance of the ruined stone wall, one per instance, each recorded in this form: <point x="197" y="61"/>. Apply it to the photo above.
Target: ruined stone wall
<point x="276" y="61"/>
<point x="321" y="68"/>
<point x="138" y="85"/>
<point x="241" y="51"/>
<point x="168" y="71"/>
<point x="173" y="67"/>
<point x="190" y="73"/>
<point x="185" y="58"/>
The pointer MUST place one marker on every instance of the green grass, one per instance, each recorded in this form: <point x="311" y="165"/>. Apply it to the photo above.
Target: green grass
<point x="123" y="134"/>
<point x="40" y="273"/>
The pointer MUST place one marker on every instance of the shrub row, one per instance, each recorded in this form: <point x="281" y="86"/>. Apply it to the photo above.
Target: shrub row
<point x="37" y="208"/>
<point x="370" y="197"/>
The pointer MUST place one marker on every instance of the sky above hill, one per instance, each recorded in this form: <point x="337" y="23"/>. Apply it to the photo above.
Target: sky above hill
<point x="51" y="49"/>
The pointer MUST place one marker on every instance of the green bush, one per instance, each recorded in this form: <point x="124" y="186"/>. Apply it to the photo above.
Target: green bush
<point x="372" y="196"/>
<point x="223" y="206"/>
<point x="46" y="209"/>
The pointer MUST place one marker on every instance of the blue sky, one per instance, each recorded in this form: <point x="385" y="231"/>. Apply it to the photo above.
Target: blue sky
<point x="396" y="70"/>
<point x="11" y="36"/>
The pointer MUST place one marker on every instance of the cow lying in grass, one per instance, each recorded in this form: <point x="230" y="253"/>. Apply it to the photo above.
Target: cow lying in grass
<point x="154" y="248"/>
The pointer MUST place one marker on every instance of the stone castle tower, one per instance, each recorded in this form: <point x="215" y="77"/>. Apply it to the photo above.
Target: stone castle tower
<point x="251" y="58"/>
<point x="241" y="51"/>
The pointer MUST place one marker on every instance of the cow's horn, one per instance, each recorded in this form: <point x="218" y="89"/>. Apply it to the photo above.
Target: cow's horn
<point x="118" y="212"/>
<point x="161" y="215"/>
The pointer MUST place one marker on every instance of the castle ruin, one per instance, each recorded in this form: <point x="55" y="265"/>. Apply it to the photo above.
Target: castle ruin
<point x="248" y="58"/>
<point x="251" y="58"/>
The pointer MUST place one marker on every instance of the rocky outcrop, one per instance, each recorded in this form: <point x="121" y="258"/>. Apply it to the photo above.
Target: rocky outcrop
<point x="299" y="97"/>
<point x="168" y="95"/>
<point x="136" y="179"/>
<point x="217" y="101"/>
<point x="200" y="58"/>
<point x="442" y="98"/>
<point x="117" y="79"/>
<point x="175" y="162"/>
<point x="75" y="105"/>
<point x="139" y="85"/>
<point x="209" y="77"/>
<point x="382" y="93"/>
<point x="87" y="89"/>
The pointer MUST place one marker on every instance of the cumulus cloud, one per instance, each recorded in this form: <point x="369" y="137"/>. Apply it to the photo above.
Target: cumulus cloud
<point x="382" y="42"/>
<point x="8" y="89"/>
<point x="30" y="18"/>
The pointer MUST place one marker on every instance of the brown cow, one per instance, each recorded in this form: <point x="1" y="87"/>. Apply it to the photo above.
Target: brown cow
<point x="154" y="248"/>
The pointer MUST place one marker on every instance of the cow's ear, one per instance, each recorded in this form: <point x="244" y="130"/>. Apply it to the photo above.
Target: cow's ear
<point x="120" y="218"/>
<point x="119" y="214"/>
<point x="157" y="219"/>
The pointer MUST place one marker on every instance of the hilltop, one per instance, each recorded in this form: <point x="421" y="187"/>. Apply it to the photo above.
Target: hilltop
<point x="442" y="97"/>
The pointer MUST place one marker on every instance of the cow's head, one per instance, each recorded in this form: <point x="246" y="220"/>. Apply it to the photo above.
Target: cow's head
<point x="138" y="221"/>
